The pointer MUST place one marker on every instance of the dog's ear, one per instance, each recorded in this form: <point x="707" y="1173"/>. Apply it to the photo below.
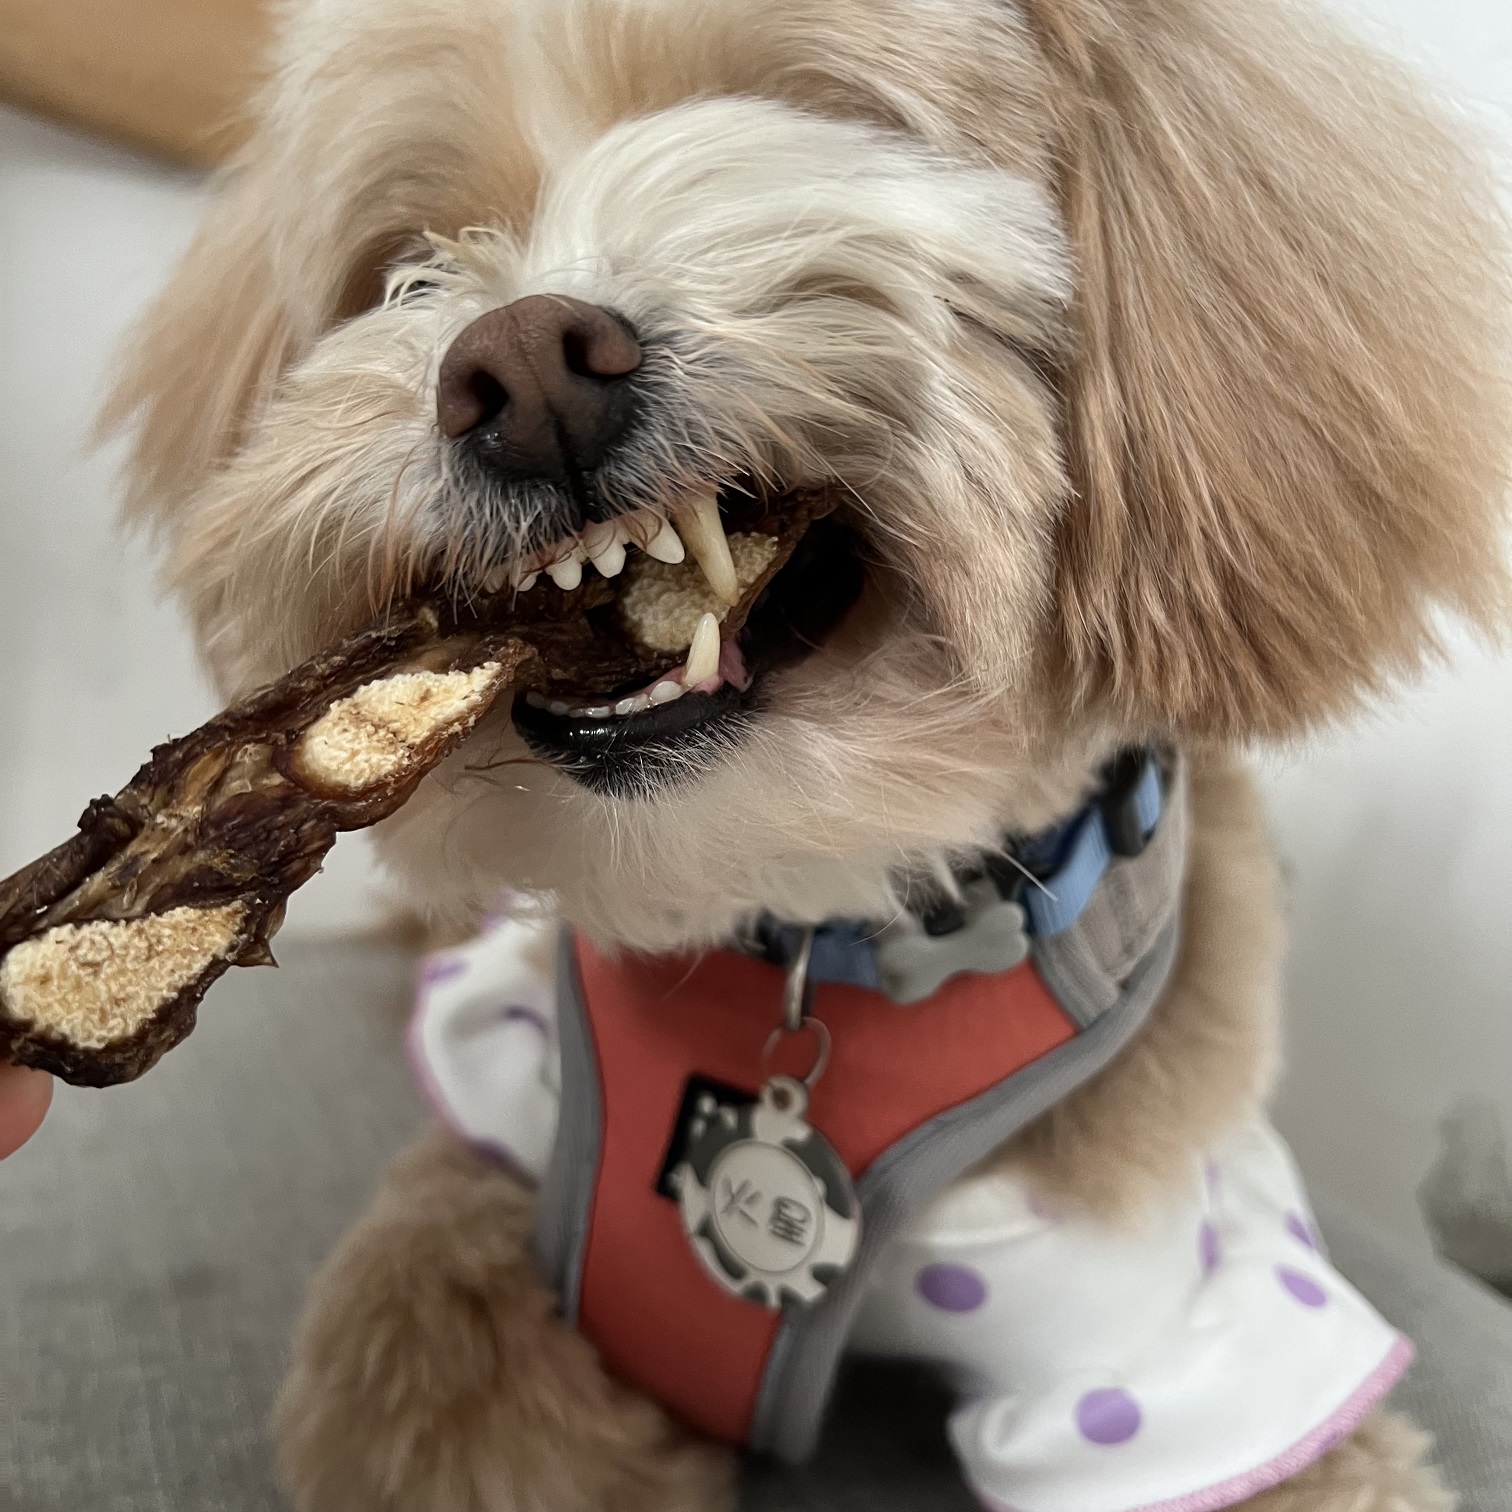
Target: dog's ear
<point x="207" y="353"/>
<point x="338" y="176"/>
<point x="1288" y="416"/>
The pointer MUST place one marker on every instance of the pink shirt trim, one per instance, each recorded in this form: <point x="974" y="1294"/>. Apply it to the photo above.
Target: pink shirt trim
<point x="1295" y="1460"/>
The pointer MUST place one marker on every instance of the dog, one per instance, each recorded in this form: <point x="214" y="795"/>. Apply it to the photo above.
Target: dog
<point x="1145" y="359"/>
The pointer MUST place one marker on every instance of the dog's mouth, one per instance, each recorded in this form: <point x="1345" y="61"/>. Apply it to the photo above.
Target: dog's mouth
<point x="656" y="634"/>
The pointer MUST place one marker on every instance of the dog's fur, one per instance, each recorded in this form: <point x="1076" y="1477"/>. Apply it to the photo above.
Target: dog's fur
<point x="1158" y="346"/>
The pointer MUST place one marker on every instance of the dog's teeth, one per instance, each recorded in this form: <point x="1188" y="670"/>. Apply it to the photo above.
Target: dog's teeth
<point x="702" y="529"/>
<point x="666" y="545"/>
<point x="536" y="701"/>
<point x="566" y="574"/>
<point x="637" y="705"/>
<point x="557" y="706"/>
<point x="597" y="711"/>
<point x="667" y="692"/>
<point x="604" y="545"/>
<point x="527" y="583"/>
<point x="703" y="654"/>
<point x="495" y="580"/>
<point x="611" y="560"/>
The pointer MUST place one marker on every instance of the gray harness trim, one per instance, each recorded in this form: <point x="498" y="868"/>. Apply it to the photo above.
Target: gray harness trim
<point x="1107" y="972"/>
<point x="1088" y="967"/>
<point x="565" y="1205"/>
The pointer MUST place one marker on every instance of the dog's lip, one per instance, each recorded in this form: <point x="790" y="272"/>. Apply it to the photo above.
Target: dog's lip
<point x="662" y="723"/>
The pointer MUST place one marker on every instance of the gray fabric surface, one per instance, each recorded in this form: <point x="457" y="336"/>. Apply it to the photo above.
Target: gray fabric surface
<point x="1460" y="1389"/>
<point x="155" y="1241"/>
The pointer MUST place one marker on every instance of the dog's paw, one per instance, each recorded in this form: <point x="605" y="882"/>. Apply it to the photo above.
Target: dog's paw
<point x="431" y="1375"/>
<point x="1383" y="1467"/>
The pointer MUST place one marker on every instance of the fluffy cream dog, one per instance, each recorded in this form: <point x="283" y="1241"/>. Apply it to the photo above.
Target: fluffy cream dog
<point x="1154" y="351"/>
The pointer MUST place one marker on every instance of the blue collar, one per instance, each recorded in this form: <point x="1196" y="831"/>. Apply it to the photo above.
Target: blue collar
<point x="1047" y="880"/>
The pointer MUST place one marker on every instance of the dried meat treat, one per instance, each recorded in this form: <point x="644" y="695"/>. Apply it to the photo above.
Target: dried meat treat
<point x="108" y="944"/>
<point x="661" y="605"/>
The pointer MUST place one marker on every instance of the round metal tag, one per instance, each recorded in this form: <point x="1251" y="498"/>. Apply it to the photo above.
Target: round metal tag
<point x="767" y="1203"/>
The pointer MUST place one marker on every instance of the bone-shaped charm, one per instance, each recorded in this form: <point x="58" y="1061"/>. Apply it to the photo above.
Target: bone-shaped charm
<point x="914" y="964"/>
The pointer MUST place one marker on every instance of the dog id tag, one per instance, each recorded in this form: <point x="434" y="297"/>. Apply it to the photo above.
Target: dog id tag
<point x="767" y="1203"/>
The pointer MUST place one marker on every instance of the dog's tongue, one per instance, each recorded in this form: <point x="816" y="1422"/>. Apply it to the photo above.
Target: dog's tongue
<point x="732" y="666"/>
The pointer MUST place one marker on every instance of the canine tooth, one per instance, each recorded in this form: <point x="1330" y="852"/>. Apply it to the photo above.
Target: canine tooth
<point x="666" y="692"/>
<point x="566" y="574"/>
<point x="703" y="654"/>
<point x="666" y="545"/>
<point x="703" y="531"/>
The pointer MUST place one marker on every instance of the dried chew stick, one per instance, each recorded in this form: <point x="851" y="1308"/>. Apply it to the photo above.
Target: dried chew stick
<point x="108" y="944"/>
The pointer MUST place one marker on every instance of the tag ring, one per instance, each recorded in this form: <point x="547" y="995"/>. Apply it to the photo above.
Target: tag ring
<point x="797" y="999"/>
<point x="798" y="995"/>
<point x="820" y="1031"/>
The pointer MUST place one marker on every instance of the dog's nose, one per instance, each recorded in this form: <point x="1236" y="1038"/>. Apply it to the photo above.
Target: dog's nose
<point x="540" y="387"/>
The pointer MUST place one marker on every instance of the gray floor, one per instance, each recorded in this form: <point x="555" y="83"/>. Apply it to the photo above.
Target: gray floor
<point x="155" y="1241"/>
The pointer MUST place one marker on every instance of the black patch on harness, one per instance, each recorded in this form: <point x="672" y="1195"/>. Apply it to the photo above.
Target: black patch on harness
<point x="694" y="1091"/>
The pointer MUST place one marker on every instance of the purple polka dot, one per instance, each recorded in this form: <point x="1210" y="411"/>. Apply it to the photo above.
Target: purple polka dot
<point x="1301" y="1230"/>
<point x="952" y="1288"/>
<point x="1108" y="1417"/>
<point x="1209" y="1248"/>
<point x="518" y="1014"/>
<point x="1303" y="1288"/>
<point x="439" y="969"/>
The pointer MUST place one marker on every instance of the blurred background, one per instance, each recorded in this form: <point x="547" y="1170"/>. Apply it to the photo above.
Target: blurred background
<point x="1396" y="833"/>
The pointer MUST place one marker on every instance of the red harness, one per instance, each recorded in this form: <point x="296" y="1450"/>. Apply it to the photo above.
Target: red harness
<point x="659" y="1322"/>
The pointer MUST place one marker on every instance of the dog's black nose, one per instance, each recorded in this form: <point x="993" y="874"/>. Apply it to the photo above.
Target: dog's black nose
<point x="540" y="388"/>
